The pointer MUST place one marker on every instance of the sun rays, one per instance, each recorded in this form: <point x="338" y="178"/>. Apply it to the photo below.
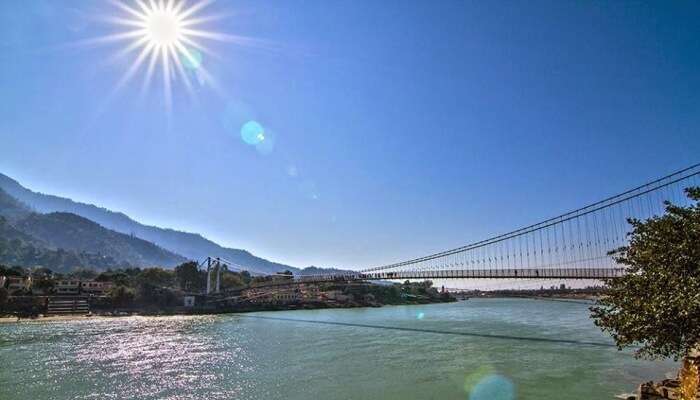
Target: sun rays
<point x="165" y="39"/>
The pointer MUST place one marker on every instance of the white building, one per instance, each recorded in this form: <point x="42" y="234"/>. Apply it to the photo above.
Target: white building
<point x="16" y="283"/>
<point x="95" y="287"/>
<point x="67" y="287"/>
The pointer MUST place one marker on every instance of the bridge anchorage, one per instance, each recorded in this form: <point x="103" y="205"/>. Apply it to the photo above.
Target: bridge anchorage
<point x="573" y="245"/>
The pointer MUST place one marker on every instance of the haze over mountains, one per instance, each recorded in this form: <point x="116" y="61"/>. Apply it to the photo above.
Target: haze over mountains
<point x="57" y="228"/>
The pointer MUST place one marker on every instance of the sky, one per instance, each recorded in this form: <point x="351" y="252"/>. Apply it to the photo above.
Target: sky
<point x="392" y="129"/>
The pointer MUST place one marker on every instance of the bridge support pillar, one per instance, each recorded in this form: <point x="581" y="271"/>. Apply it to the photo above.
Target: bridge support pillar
<point x="208" y="275"/>
<point x="218" y="275"/>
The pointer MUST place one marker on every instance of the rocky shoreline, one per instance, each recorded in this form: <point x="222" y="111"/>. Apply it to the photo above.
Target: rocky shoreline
<point x="685" y="386"/>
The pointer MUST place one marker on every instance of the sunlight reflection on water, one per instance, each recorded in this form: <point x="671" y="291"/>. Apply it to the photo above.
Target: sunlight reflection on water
<point x="145" y="357"/>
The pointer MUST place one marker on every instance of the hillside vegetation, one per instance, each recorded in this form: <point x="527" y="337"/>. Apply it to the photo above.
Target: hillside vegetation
<point x="64" y="241"/>
<point x="189" y="245"/>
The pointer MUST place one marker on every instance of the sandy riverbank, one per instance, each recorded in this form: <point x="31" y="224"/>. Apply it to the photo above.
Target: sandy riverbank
<point x="53" y="318"/>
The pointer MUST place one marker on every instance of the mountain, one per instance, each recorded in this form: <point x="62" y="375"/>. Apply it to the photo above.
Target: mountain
<point x="72" y="232"/>
<point x="313" y="270"/>
<point x="65" y="240"/>
<point x="190" y="245"/>
<point x="19" y="248"/>
<point x="9" y="233"/>
<point x="11" y="208"/>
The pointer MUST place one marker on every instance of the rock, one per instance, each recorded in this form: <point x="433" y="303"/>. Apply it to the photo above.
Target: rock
<point x="626" y="396"/>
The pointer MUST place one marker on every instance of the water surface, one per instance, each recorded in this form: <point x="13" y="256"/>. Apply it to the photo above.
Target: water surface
<point x="481" y="349"/>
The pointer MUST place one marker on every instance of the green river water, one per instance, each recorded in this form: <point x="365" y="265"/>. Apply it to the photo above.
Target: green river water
<point x="480" y="349"/>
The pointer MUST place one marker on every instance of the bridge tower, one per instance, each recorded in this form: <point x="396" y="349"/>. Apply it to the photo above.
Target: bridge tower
<point x="214" y="266"/>
<point x="208" y="275"/>
<point x="218" y="275"/>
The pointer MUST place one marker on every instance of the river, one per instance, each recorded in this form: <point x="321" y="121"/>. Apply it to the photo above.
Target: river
<point x="480" y="349"/>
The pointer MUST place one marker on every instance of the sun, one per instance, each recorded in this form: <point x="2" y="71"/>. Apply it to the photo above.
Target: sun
<point x="163" y="28"/>
<point x="164" y="35"/>
<point x="169" y="38"/>
<point x="164" y="23"/>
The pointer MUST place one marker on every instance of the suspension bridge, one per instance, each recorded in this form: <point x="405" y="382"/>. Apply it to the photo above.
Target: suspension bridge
<point x="573" y="245"/>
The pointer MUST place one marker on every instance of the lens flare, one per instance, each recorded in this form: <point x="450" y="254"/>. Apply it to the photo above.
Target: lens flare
<point x="292" y="171"/>
<point x="308" y="188"/>
<point x="193" y="62"/>
<point x="477" y="376"/>
<point x="252" y="133"/>
<point x="267" y="143"/>
<point x="493" y="387"/>
<point x="485" y="384"/>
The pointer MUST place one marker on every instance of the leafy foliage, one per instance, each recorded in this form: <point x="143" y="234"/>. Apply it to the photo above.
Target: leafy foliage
<point x="121" y="296"/>
<point x="657" y="303"/>
<point x="189" y="277"/>
<point x="231" y="280"/>
<point x="11" y="271"/>
<point x="4" y="295"/>
<point x="157" y="277"/>
<point x="43" y="283"/>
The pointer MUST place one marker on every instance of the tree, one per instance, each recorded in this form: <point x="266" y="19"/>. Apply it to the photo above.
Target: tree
<point x="286" y="275"/>
<point x="245" y="276"/>
<point x="231" y="280"/>
<point x="84" y="273"/>
<point x="153" y="296"/>
<point x="121" y="296"/>
<point x="43" y="272"/>
<point x="656" y="304"/>
<point x="158" y="277"/>
<point x="119" y="278"/>
<point x="4" y="296"/>
<point x="43" y="283"/>
<point x="189" y="277"/>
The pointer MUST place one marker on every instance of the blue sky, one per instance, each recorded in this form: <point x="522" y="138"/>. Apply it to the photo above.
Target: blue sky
<point x="400" y="127"/>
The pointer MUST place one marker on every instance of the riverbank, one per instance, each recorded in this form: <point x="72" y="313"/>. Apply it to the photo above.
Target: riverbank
<point x="237" y="309"/>
<point x="267" y="295"/>
<point x="684" y="385"/>
<point x="56" y="318"/>
<point x="569" y="299"/>
<point x="586" y="295"/>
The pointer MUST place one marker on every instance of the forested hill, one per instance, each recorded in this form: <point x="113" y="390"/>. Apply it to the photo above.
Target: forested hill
<point x="73" y="232"/>
<point x="11" y="208"/>
<point x="63" y="241"/>
<point x="189" y="245"/>
<point x="18" y="248"/>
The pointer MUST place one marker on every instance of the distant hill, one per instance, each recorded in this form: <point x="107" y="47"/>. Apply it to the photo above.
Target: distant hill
<point x="62" y="241"/>
<point x="11" y="208"/>
<point x="312" y="270"/>
<point x="19" y="248"/>
<point x="72" y="232"/>
<point x="189" y="245"/>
